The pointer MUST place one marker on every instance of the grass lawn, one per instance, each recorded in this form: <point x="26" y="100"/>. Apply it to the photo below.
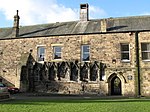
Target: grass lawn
<point x="76" y="105"/>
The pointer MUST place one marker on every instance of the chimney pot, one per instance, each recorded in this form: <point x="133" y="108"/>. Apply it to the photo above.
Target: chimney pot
<point x="84" y="12"/>
<point x="15" y="32"/>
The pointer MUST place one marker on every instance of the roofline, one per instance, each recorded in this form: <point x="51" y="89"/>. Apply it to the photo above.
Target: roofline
<point x="124" y="17"/>
<point x="76" y="34"/>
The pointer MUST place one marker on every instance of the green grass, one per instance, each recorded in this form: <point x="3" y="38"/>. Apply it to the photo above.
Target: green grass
<point x="82" y="105"/>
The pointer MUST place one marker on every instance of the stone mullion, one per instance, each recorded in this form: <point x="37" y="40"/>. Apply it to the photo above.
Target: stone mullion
<point x="79" y="68"/>
<point x="46" y="70"/>
<point x="98" y="75"/>
<point x="56" y="71"/>
<point x="88" y="66"/>
<point x="68" y="73"/>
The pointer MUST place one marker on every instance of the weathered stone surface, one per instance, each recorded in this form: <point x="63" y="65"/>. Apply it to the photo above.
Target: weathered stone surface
<point x="15" y="58"/>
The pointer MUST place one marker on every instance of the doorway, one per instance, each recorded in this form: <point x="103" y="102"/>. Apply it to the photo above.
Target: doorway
<point x="115" y="86"/>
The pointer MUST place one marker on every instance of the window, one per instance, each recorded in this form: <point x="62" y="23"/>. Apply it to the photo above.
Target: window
<point x="125" y="53"/>
<point x="41" y="53"/>
<point x="145" y="47"/>
<point x="85" y="53"/>
<point x="57" y="52"/>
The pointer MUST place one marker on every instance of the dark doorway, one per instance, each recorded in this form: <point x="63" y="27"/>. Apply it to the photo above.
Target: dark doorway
<point x="115" y="86"/>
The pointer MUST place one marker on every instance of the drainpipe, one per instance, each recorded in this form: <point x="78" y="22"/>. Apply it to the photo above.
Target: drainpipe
<point x="137" y="65"/>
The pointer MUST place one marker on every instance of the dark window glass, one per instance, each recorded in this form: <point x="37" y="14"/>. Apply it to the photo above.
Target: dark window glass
<point x="57" y="52"/>
<point x="124" y="47"/>
<point x="85" y="53"/>
<point x="41" y="53"/>
<point x="145" y="47"/>
<point x="125" y="52"/>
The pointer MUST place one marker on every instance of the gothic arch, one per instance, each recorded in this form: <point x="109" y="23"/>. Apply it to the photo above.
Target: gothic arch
<point x="110" y="80"/>
<point x="119" y="75"/>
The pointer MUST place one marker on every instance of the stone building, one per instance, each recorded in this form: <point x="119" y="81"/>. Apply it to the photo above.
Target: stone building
<point x="101" y="56"/>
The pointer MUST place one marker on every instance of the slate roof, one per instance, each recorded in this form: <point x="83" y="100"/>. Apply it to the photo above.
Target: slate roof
<point x="136" y="23"/>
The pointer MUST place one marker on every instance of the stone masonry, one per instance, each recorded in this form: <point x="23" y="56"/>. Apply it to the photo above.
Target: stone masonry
<point x="103" y="48"/>
<point x="103" y="73"/>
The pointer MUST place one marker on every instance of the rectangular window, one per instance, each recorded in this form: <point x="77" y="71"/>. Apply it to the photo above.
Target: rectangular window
<point x="41" y="53"/>
<point x="125" y="52"/>
<point x="145" y="47"/>
<point x="57" y="52"/>
<point x="85" y="52"/>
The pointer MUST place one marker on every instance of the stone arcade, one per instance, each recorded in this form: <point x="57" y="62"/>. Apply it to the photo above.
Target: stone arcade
<point x="108" y="56"/>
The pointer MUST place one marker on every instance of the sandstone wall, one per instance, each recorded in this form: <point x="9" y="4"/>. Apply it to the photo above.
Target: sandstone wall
<point x="103" y="48"/>
<point x="144" y="37"/>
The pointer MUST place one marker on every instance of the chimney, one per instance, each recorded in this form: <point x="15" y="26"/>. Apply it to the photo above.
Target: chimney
<point x="103" y="25"/>
<point x="84" y="12"/>
<point x="15" y="32"/>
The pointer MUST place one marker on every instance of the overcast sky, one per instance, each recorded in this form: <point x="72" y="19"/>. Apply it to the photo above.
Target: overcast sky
<point x="49" y="11"/>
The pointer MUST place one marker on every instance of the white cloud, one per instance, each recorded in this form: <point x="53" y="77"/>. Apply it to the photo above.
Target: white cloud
<point x="96" y="12"/>
<point x="43" y="11"/>
<point x="145" y="13"/>
<point x="37" y="11"/>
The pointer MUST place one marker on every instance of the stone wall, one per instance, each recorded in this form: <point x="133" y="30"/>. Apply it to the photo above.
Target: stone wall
<point x="144" y="37"/>
<point x="103" y="48"/>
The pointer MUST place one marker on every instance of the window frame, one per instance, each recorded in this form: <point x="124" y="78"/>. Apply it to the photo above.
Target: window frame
<point x="57" y="52"/>
<point x="85" y="53"/>
<point x="145" y="51"/>
<point x="125" y="52"/>
<point x="39" y="52"/>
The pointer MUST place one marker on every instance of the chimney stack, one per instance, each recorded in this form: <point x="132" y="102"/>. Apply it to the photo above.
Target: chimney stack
<point x="15" y="32"/>
<point x="103" y="25"/>
<point x="84" y="12"/>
